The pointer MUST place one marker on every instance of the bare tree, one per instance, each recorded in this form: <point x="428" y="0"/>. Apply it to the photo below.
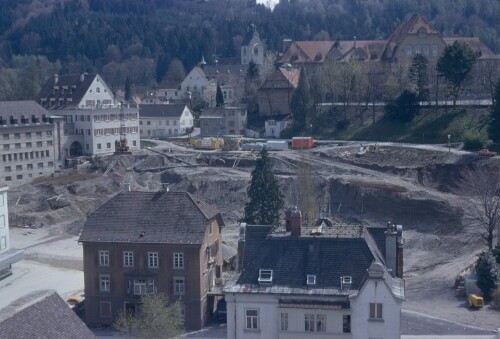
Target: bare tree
<point x="268" y="67"/>
<point x="306" y="192"/>
<point x="482" y="187"/>
<point x="155" y="319"/>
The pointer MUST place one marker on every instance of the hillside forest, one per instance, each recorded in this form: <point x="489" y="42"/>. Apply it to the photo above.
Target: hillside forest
<point x="154" y="42"/>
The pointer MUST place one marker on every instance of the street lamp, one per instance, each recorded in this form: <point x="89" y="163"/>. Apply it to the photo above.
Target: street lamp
<point x="449" y="144"/>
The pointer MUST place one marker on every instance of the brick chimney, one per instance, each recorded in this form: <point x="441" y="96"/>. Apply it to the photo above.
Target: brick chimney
<point x="394" y="249"/>
<point x="293" y="219"/>
<point x="286" y="44"/>
<point x="241" y="246"/>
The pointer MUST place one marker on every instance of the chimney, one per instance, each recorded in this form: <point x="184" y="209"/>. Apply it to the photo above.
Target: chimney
<point x="286" y="44"/>
<point x="56" y="79"/>
<point x="394" y="243"/>
<point x="241" y="246"/>
<point x="293" y="219"/>
<point x="126" y="187"/>
<point x="82" y="77"/>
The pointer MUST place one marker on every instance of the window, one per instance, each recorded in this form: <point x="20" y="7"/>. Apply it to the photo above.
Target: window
<point x="38" y="134"/>
<point x="3" y="243"/>
<point x="108" y="145"/>
<point x="265" y="276"/>
<point x="105" y="309"/>
<point x="39" y="165"/>
<point x="6" y="146"/>
<point x="17" y="146"/>
<point x="5" y="137"/>
<point x="98" y="146"/>
<point x="320" y="323"/>
<point x="153" y="259"/>
<point x="103" y="258"/>
<point x="346" y="323"/>
<point x="376" y="311"/>
<point x="148" y="122"/>
<point x="8" y="178"/>
<point x="28" y="135"/>
<point x="315" y="322"/>
<point x="104" y="282"/>
<point x="140" y="287"/>
<point x="311" y="279"/>
<point x="309" y="323"/>
<point x="19" y="167"/>
<point x="30" y="166"/>
<point x="8" y="169"/>
<point x="179" y="288"/>
<point x="252" y="319"/>
<point x="49" y="143"/>
<point x="284" y="322"/>
<point x="128" y="259"/>
<point x="2" y="221"/>
<point x="178" y="260"/>
<point x="51" y="164"/>
<point x="17" y="135"/>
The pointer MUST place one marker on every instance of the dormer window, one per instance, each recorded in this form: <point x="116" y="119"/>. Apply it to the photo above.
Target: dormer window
<point x="265" y="276"/>
<point x="346" y="282"/>
<point x="311" y="280"/>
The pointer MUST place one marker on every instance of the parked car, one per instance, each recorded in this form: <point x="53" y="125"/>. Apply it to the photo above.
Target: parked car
<point x="475" y="301"/>
<point x="487" y="153"/>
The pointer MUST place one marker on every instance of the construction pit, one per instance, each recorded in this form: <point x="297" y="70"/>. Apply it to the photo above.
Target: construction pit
<point x="407" y="184"/>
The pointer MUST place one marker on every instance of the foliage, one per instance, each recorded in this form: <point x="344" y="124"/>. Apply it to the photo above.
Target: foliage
<point x="481" y="186"/>
<point x="128" y="89"/>
<point x="494" y="125"/>
<point x="404" y="108"/>
<point x="265" y="199"/>
<point x="488" y="274"/>
<point x="419" y="78"/>
<point x="473" y="141"/>
<point x="455" y="65"/>
<point x="496" y="253"/>
<point x="219" y="97"/>
<point x="155" y="319"/>
<point x="495" y="298"/>
<point x="306" y="192"/>
<point x="300" y="101"/>
<point x="252" y="71"/>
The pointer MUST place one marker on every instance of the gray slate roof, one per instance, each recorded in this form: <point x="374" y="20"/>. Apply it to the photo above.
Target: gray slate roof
<point x="19" y="108"/>
<point x="76" y="89"/>
<point x="161" y="110"/>
<point x="293" y="258"/>
<point x="150" y="217"/>
<point x="41" y="315"/>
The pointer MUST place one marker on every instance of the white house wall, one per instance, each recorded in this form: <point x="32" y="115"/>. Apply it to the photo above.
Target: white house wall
<point x="270" y="318"/>
<point x="98" y="95"/>
<point x="160" y="127"/>
<point x="4" y="221"/>
<point x="375" y="291"/>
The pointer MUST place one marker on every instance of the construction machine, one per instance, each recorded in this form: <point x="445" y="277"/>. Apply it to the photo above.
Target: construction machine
<point x="121" y="145"/>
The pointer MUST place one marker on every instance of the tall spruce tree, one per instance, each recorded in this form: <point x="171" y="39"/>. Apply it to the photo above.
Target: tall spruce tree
<point x="128" y="89"/>
<point x="488" y="273"/>
<point x="219" y="97"/>
<point x="265" y="199"/>
<point x="494" y="125"/>
<point x="418" y="77"/>
<point x="301" y="100"/>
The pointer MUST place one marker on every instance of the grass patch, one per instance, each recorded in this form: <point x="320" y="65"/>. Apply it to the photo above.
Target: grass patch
<point x="145" y="143"/>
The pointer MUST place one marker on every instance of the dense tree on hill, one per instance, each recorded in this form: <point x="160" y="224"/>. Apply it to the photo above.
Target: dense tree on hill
<point x="93" y="34"/>
<point x="494" y="124"/>
<point x="419" y="78"/>
<point x="265" y="199"/>
<point x="300" y="103"/>
<point x="455" y="66"/>
<point x="219" y="97"/>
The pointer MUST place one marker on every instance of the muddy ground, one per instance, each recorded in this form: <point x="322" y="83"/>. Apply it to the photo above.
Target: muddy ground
<point x="416" y="187"/>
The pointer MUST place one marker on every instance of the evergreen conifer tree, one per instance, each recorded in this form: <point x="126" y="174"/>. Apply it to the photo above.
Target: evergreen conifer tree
<point x="488" y="273"/>
<point x="494" y="125"/>
<point x="265" y="199"/>
<point x="219" y="98"/>
<point x="300" y="102"/>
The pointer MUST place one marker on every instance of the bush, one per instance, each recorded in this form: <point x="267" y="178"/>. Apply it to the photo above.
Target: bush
<point x="473" y="141"/>
<point x="495" y="299"/>
<point x="404" y="108"/>
<point x="342" y="124"/>
<point x="488" y="274"/>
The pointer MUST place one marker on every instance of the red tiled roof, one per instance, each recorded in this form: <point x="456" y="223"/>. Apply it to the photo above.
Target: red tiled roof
<point x="411" y="27"/>
<point x="307" y="52"/>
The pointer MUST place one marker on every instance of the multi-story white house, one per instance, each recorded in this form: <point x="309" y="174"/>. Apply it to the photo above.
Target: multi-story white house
<point x="31" y="142"/>
<point x="165" y="120"/>
<point x="274" y="127"/>
<point x="328" y="281"/>
<point x="92" y="116"/>
<point x="8" y="256"/>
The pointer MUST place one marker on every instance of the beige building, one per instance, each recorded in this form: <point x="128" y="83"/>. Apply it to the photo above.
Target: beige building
<point x="215" y="122"/>
<point x="276" y="92"/>
<point x="31" y="141"/>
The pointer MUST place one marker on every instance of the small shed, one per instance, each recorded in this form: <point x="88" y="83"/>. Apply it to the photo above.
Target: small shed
<point x="277" y="145"/>
<point x="302" y="142"/>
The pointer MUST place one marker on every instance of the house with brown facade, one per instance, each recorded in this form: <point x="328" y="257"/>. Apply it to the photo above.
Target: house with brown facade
<point x="142" y="242"/>
<point x="276" y="92"/>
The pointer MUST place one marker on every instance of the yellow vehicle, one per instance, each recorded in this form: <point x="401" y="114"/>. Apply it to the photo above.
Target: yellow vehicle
<point x="475" y="301"/>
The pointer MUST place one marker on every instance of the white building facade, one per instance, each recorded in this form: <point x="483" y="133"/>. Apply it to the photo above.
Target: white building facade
<point x="252" y="47"/>
<point x="274" y="127"/>
<point x="165" y="120"/>
<point x="8" y="256"/>
<point x="314" y="284"/>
